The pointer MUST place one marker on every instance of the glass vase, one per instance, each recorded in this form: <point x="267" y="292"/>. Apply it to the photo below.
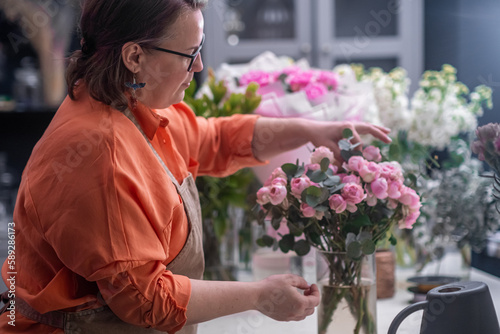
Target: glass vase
<point x="348" y="294"/>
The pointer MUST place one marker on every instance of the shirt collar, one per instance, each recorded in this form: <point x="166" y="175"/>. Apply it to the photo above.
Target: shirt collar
<point x="150" y="119"/>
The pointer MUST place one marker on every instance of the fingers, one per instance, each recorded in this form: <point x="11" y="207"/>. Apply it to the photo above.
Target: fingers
<point x="379" y="132"/>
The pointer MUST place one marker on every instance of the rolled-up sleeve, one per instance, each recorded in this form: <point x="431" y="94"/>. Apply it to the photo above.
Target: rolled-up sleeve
<point x="226" y="144"/>
<point x="148" y="296"/>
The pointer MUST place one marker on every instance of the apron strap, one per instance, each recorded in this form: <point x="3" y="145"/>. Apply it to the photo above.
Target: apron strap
<point x="129" y="114"/>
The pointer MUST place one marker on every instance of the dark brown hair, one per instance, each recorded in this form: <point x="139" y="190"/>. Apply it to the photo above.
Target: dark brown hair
<point x="105" y="26"/>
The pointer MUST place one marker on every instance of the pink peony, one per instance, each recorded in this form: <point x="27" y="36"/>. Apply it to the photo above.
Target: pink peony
<point x="409" y="220"/>
<point x="321" y="152"/>
<point x="328" y="78"/>
<point x="379" y="188"/>
<point x="351" y="178"/>
<point x="313" y="167"/>
<point x="410" y="198"/>
<point x="337" y="203"/>
<point x="371" y="200"/>
<point x="356" y="163"/>
<point x="315" y="89"/>
<point x="307" y="211"/>
<point x="372" y="153"/>
<point x="369" y="171"/>
<point x="277" y="194"/>
<point x="260" y="77"/>
<point x="393" y="190"/>
<point x="391" y="171"/>
<point x="299" y="184"/>
<point x="353" y="193"/>
<point x="279" y="181"/>
<point x="278" y="172"/>
<point x="263" y="196"/>
<point x="299" y="79"/>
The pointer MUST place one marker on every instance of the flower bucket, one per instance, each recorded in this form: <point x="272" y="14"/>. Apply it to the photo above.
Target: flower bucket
<point x="348" y="294"/>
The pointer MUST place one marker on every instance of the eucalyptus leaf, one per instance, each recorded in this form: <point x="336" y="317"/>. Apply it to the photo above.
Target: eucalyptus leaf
<point x="361" y="221"/>
<point x="294" y="229"/>
<point x="368" y="247"/>
<point x="344" y="145"/>
<point x="265" y="241"/>
<point x="325" y="162"/>
<point x="364" y="235"/>
<point x="354" y="250"/>
<point x="289" y="169"/>
<point x="286" y="243"/>
<point x="347" y="133"/>
<point x="302" y="247"/>
<point x="317" y="176"/>
<point x="350" y="238"/>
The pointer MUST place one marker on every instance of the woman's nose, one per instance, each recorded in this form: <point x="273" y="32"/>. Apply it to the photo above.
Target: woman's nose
<point x="198" y="64"/>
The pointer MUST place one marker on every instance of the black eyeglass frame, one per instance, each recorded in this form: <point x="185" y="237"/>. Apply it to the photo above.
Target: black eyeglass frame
<point x="191" y="56"/>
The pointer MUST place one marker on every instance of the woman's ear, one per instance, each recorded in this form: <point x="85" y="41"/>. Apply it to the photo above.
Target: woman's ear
<point x="132" y="55"/>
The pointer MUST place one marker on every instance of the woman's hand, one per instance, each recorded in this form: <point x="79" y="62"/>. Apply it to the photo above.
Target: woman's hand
<point x="276" y="135"/>
<point x="281" y="299"/>
<point x="330" y="133"/>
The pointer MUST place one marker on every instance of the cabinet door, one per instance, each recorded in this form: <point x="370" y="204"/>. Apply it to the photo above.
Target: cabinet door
<point x="239" y="30"/>
<point x="383" y="33"/>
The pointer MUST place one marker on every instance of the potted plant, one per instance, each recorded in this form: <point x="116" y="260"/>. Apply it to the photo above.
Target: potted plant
<point x="224" y="201"/>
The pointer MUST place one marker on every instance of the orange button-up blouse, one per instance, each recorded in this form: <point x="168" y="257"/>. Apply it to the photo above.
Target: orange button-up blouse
<point x="94" y="203"/>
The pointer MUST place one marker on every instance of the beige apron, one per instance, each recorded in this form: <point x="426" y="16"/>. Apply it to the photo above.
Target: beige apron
<point x="189" y="262"/>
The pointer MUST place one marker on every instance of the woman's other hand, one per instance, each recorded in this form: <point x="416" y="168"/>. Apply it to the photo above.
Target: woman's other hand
<point x="287" y="298"/>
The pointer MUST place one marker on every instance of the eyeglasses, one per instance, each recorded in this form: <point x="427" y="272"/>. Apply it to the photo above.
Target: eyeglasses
<point x="192" y="56"/>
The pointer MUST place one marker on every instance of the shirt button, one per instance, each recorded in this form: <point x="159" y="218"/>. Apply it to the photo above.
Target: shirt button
<point x="164" y="141"/>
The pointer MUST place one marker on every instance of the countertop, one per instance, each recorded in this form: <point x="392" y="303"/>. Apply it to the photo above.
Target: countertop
<point x="254" y="322"/>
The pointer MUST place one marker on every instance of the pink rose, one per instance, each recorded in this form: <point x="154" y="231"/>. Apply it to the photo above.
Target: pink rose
<point x="351" y="178"/>
<point x="337" y="203"/>
<point x="260" y="77"/>
<point x="372" y="153"/>
<point x="393" y="190"/>
<point x="409" y="220"/>
<point x="321" y="152"/>
<point x="353" y="193"/>
<point x="313" y="167"/>
<point x="279" y="181"/>
<point x="391" y="171"/>
<point x="329" y="78"/>
<point x="379" y="188"/>
<point x="315" y="89"/>
<point x="369" y="171"/>
<point x="356" y="163"/>
<point x="299" y="79"/>
<point x="410" y="198"/>
<point x="307" y="211"/>
<point x="277" y="194"/>
<point x="371" y="200"/>
<point x="299" y="184"/>
<point x="263" y="196"/>
<point x="278" y="172"/>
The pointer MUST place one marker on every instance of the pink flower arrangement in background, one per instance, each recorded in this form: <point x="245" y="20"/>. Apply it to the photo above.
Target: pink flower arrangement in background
<point x="324" y="205"/>
<point x="314" y="82"/>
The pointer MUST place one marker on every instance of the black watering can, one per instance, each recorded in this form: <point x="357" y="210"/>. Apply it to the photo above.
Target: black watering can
<point x="457" y="308"/>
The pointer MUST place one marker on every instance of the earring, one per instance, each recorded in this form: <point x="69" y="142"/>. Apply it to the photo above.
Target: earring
<point x="134" y="86"/>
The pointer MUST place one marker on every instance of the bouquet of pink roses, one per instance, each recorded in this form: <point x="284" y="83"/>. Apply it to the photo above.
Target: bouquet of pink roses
<point x="342" y="213"/>
<point x="347" y="210"/>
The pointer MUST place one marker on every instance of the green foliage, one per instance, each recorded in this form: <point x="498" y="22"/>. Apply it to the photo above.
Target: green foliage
<point x="217" y="194"/>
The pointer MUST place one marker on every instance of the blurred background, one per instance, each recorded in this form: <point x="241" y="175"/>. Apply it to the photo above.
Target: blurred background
<point x="418" y="35"/>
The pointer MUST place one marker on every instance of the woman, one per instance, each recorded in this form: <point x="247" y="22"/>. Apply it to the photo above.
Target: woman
<point x="107" y="220"/>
